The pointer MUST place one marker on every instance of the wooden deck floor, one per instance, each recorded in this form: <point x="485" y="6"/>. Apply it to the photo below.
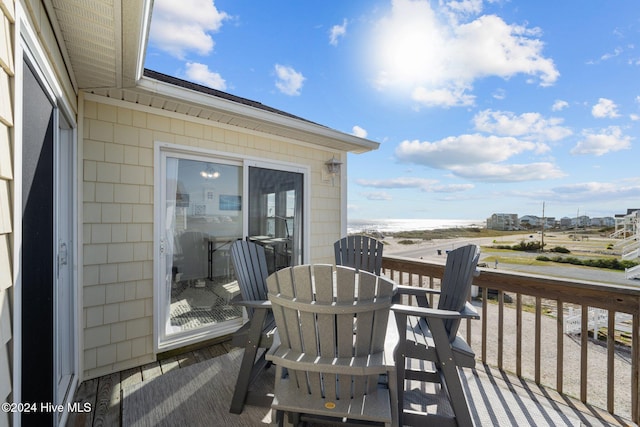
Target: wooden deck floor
<point x="104" y="393"/>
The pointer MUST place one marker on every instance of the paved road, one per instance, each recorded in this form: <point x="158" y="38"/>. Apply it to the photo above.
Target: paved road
<point x="429" y="251"/>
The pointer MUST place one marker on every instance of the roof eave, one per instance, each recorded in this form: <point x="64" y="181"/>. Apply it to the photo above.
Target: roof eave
<point x="349" y="143"/>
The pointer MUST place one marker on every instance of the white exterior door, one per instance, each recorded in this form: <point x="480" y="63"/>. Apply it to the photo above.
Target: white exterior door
<point x="64" y="296"/>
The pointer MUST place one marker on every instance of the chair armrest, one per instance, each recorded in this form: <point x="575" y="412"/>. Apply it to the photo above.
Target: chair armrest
<point x="415" y="290"/>
<point x="252" y="304"/>
<point x="468" y="311"/>
<point x="409" y="310"/>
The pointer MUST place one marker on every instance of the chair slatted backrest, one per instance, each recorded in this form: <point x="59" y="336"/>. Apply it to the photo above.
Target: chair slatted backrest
<point x="331" y="312"/>
<point x="359" y="252"/>
<point x="456" y="283"/>
<point x="250" y="264"/>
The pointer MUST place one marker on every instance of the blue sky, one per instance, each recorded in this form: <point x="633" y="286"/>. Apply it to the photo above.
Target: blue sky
<point x="479" y="106"/>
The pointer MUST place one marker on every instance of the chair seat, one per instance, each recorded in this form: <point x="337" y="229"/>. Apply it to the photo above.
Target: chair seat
<point x="371" y="407"/>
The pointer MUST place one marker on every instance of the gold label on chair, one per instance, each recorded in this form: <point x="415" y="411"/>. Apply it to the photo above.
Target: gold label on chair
<point x="330" y="405"/>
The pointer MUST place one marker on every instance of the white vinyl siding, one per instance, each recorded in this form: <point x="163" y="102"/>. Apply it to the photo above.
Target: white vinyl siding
<point x="7" y="71"/>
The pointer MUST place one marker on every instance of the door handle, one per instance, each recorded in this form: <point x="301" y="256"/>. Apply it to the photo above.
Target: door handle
<point x="62" y="254"/>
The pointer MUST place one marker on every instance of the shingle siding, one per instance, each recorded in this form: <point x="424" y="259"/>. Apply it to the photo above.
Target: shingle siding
<point x="118" y="222"/>
<point x="7" y="147"/>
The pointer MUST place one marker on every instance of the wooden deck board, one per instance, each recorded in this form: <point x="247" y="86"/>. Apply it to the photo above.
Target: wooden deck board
<point x="107" y="410"/>
<point x="104" y="393"/>
<point x="169" y="364"/>
<point x="150" y="371"/>
<point x="86" y="393"/>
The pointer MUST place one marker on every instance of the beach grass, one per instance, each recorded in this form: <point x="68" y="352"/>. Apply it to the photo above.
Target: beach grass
<point x="451" y="233"/>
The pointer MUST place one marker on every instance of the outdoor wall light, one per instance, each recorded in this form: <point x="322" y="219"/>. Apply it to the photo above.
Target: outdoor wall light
<point x="333" y="166"/>
<point x="332" y="170"/>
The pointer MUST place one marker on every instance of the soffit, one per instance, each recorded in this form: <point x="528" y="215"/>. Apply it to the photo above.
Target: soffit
<point x="102" y="39"/>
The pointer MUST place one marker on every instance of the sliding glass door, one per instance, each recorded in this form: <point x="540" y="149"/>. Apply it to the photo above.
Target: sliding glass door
<point x="275" y="215"/>
<point x="202" y="216"/>
<point x="205" y="203"/>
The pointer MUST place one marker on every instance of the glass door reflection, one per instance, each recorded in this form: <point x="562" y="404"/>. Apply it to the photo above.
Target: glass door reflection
<point x="275" y="215"/>
<point x="203" y="216"/>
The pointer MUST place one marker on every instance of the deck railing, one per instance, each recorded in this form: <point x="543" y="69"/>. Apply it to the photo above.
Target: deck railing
<point x="542" y="351"/>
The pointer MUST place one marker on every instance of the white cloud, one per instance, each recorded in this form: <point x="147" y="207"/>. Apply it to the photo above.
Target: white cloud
<point x="478" y="157"/>
<point x="606" y="140"/>
<point x="289" y="80"/>
<point x="426" y="185"/>
<point x="494" y="172"/>
<point x="185" y="26"/>
<point x="605" y="108"/>
<point x="616" y="52"/>
<point x="358" y="131"/>
<point x="634" y="117"/>
<point x="463" y="150"/>
<point x="199" y="73"/>
<point x="336" y="32"/>
<point x="452" y="188"/>
<point x="436" y="58"/>
<point x="590" y="191"/>
<point x="400" y="182"/>
<point x="530" y="126"/>
<point x="499" y="94"/>
<point x="463" y="8"/>
<point x="445" y="97"/>
<point x="559" y="105"/>
<point x="377" y="195"/>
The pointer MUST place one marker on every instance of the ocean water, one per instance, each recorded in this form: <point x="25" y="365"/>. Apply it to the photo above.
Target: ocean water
<point x="395" y="225"/>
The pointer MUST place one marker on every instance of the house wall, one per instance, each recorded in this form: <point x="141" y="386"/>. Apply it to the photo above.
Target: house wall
<point x="7" y="88"/>
<point x="118" y="172"/>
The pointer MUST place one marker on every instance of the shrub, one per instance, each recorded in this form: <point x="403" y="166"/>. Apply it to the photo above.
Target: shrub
<point x="561" y="250"/>
<point x="503" y="247"/>
<point x="407" y="242"/>
<point x="527" y="246"/>
<point x="610" y="263"/>
<point x="543" y="258"/>
<point x="627" y="264"/>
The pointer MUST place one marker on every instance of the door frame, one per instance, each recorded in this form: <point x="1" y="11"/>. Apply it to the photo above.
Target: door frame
<point x="29" y="48"/>
<point x="161" y="150"/>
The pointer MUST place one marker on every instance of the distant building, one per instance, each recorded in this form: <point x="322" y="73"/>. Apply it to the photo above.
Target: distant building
<point x="530" y="221"/>
<point x="550" y="222"/>
<point x="503" y="221"/>
<point x="605" y="221"/>
<point x="533" y="221"/>
<point x="565" y="222"/>
<point x="581" y="221"/>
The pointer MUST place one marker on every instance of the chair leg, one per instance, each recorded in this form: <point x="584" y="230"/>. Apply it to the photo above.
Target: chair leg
<point x="278" y="418"/>
<point x="248" y="363"/>
<point x="451" y="378"/>
<point x="401" y="361"/>
<point x="392" y="384"/>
